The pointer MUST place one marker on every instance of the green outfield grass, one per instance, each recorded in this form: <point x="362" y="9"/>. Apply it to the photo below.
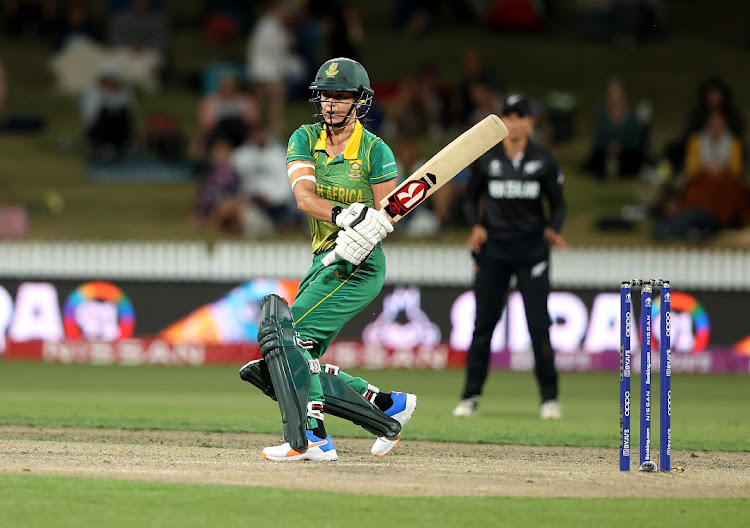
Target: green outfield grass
<point x="708" y="414"/>
<point x="707" y="411"/>
<point x="66" y="502"/>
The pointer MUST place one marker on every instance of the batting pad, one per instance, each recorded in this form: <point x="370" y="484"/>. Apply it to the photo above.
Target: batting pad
<point x="287" y="368"/>
<point x="340" y="400"/>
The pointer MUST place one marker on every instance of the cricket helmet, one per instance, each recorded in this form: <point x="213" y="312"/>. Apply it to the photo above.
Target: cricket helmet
<point x="346" y="75"/>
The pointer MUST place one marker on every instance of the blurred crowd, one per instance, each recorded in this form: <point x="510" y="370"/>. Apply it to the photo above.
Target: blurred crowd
<point x="708" y="192"/>
<point x="696" y="186"/>
<point x="114" y="57"/>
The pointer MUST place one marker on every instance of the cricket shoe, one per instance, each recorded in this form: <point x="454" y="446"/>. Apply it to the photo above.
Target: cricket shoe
<point x="402" y="409"/>
<point x="550" y="410"/>
<point x="318" y="449"/>
<point x="467" y="407"/>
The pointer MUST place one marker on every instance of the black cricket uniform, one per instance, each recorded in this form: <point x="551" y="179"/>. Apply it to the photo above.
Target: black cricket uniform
<point x="512" y="194"/>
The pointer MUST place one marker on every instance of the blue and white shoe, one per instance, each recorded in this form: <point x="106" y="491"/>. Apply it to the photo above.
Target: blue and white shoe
<point x="402" y="409"/>
<point x="318" y="449"/>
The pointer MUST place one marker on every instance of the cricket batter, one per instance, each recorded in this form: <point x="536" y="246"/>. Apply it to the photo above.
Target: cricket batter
<point x="338" y="172"/>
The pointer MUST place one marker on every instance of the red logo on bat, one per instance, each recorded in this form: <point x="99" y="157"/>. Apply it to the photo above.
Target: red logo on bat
<point x="407" y="198"/>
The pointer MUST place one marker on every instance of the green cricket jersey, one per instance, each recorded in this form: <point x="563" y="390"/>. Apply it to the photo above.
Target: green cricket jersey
<point x="344" y="179"/>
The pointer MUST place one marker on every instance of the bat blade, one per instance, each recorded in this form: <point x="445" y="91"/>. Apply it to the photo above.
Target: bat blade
<point x="443" y="166"/>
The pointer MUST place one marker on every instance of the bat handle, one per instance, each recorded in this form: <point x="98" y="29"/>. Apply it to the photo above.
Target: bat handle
<point x="329" y="258"/>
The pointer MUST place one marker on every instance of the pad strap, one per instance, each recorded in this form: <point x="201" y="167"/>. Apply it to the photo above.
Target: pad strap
<point x="315" y="410"/>
<point x="371" y="392"/>
<point x="331" y="369"/>
<point x="307" y="344"/>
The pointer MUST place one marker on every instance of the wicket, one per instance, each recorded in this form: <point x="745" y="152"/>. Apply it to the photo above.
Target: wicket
<point x="665" y="374"/>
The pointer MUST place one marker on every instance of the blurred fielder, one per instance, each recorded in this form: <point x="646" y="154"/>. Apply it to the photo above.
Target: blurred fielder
<point x="515" y="182"/>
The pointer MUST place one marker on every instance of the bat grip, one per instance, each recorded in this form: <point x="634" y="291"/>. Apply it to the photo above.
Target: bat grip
<point x="329" y="258"/>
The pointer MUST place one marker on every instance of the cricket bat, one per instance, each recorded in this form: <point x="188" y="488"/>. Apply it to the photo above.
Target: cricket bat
<point x="440" y="169"/>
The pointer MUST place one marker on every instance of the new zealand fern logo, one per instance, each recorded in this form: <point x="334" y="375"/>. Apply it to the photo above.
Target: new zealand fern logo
<point x="333" y="70"/>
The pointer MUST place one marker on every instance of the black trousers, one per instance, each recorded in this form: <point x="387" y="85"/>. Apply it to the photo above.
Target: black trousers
<point x="491" y="287"/>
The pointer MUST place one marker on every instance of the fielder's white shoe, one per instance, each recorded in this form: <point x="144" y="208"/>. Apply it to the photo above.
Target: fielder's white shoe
<point x="402" y="409"/>
<point x="467" y="407"/>
<point x="318" y="449"/>
<point x="550" y="410"/>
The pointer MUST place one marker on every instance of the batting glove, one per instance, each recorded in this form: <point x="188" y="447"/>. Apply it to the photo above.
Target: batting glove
<point x="352" y="247"/>
<point x="371" y="224"/>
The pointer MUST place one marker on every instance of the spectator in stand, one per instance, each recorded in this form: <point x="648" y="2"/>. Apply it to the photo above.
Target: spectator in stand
<point x="713" y="93"/>
<point x="625" y="23"/>
<point x="310" y="27"/>
<point x="620" y="136"/>
<point x="635" y="21"/>
<point x="132" y="46"/>
<point x="225" y="21"/>
<point x="35" y="17"/>
<point x="228" y="112"/>
<point x="347" y="32"/>
<point x="714" y="197"/>
<point x="141" y="27"/>
<point x="271" y="63"/>
<point x="518" y="15"/>
<point x="266" y="203"/>
<point x="715" y="149"/>
<point x="422" y="104"/>
<point x="107" y="114"/>
<point x="76" y="22"/>
<point x="484" y="101"/>
<point x="414" y="17"/>
<point x="474" y="72"/>
<point x="215" y="202"/>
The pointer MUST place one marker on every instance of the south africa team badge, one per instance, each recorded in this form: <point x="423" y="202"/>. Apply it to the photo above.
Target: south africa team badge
<point x="333" y="70"/>
<point x="355" y="170"/>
